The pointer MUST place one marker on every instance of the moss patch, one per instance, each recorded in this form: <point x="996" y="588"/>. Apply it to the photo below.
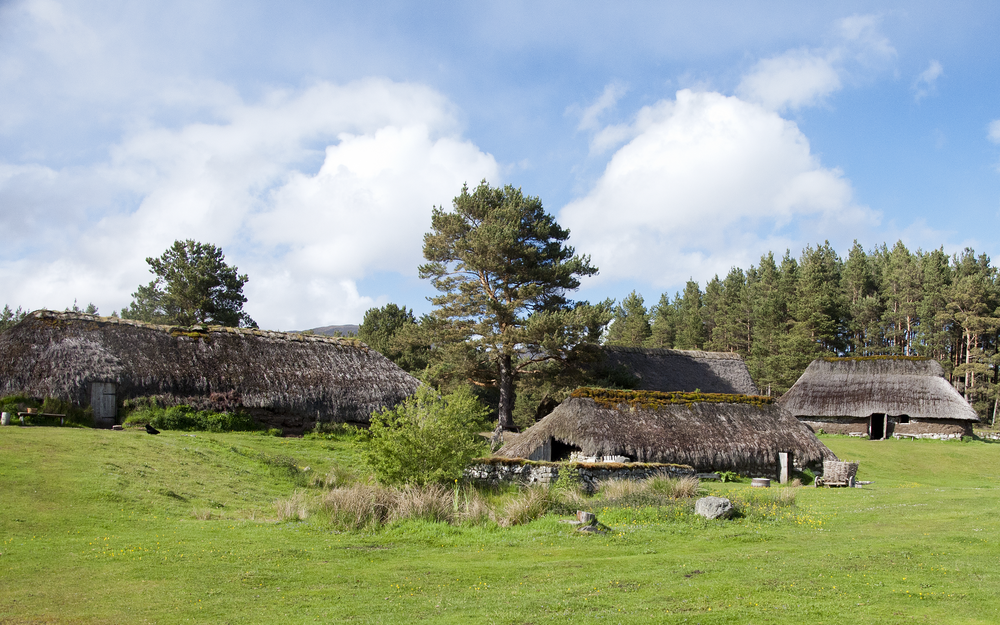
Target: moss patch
<point x="864" y="358"/>
<point x="651" y="400"/>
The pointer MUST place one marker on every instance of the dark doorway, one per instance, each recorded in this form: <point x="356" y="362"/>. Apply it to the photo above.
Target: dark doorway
<point x="562" y="451"/>
<point x="876" y="427"/>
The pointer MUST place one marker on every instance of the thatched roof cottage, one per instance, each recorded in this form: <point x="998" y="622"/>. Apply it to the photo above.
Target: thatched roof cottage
<point x="711" y="432"/>
<point x="878" y="397"/>
<point x="670" y="370"/>
<point x="284" y="379"/>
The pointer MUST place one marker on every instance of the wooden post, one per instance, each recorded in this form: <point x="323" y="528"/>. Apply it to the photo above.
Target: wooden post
<point x="783" y="461"/>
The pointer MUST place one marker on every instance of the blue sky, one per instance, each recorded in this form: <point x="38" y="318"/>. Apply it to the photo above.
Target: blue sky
<point x="310" y="140"/>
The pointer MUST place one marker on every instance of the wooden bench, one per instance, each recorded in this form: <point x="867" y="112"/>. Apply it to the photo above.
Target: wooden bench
<point x="62" y="417"/>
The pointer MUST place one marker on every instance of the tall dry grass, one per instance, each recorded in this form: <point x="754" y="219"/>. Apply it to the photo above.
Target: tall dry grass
<point x="295" y="508"/>
<point x="655" y="490"/>
<point x="359" y="506"/>
<point x="351" y="505"/>
<point x="430" y="503"/>
<point x="472" y="507"/>
<point x="336" y="477"/>
<point x="527" y="506"/>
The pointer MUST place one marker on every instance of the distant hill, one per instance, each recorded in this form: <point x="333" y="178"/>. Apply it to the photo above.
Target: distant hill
<point x="345" y="330"/>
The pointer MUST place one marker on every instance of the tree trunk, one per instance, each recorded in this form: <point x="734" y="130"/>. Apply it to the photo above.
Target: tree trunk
<point x="506" y="408"/>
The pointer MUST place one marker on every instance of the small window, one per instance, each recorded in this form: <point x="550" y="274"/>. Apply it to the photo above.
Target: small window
<point x="903" y="418"/>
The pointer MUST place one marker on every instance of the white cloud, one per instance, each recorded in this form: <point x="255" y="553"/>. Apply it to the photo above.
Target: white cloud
<point x="926" y="83"/>
<point x="589" y="116"/>
<point x="993" y="131"/>
<point x="806" y="77"/>
<point x="709" y="182"/>
<point x="307" y="191"/>
<point x="792" y="80"/>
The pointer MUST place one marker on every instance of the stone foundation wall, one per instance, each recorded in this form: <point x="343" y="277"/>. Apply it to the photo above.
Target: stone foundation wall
<point x="836" y="426"/>
<point x="525" y="472"/>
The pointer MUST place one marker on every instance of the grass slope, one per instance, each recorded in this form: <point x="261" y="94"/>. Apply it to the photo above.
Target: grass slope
<point x="102" y="527"/>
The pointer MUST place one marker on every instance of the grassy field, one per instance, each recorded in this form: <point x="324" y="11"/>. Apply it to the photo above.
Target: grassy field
<point x="120" y="527"/>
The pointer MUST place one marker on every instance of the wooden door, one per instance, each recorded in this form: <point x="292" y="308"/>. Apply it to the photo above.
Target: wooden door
<point x="102" y="400"/>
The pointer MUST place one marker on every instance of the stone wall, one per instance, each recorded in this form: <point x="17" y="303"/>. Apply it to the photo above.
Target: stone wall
<point x="941" y="429"/>
<point x="516" y="471"/>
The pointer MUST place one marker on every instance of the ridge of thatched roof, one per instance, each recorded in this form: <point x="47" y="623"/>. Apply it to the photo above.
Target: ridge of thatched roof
<point x="58" y="354"/>
<point x="651" y="400"/>
<point x="739" y="437"/>
<point x="661" y="369"/>
<point x="860" y="387"/>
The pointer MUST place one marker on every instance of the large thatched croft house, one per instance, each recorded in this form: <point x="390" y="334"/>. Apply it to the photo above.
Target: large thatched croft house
<point x="710" y="432"/>
<point x="682" y="370"/>
<point x="286" y="380"/>
<point x="878" y="397"/>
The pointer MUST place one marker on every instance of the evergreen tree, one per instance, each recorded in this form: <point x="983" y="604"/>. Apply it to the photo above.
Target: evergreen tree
<point x="770" y="323"/>
<point x="663" y="332"/>
<point x="934" y="332"/>
<point x="733" y="331"/>
<point x="711" y="310"/>
<point x="503" y="269"/>
<point x="690" y="324"/>
<point x="387" y="330"/>
<point x="630" y="326"/>
<point x="193" y="285"/>
<point x="10" y="318"/>
<point x="972" y="304"/>
<point x="902" y="292"/>
<point x="864" y="305"/>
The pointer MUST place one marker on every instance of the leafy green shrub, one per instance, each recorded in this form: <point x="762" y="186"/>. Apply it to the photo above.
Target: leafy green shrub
<point x="730" y="476"/>
<point x="428" y="438"/>
<point x="75" y="415"/>
<point x="146" y="411"/>
<point x="336" y="431"/>
<point x="807" y="477"/>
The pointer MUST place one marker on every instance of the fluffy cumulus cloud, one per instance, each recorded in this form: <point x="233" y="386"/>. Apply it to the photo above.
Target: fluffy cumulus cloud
<point x="707" y="182"/>
<point x="805" y="77"/>
<point x="792" y="80"/>
<point x="308" y="191"/>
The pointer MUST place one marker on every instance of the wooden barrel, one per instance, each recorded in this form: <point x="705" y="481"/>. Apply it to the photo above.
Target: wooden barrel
<point x="760" y="482"/>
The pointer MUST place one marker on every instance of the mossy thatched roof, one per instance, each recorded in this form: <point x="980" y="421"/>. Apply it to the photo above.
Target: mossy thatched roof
<point x="862" y="387"/>
<point x="52" y="354"/>
<point x="738" y="436"/>
<point x="683" y="370"/>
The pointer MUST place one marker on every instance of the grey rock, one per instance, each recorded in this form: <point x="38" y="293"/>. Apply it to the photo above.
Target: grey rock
<point x="714" y="508"/>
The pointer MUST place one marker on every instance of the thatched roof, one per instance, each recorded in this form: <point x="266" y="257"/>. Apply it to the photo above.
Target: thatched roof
<point x="52" y="354"/>
<point x="684" y="370"/>
<point x="859" y="387"/>
<point x="743" y="434"/>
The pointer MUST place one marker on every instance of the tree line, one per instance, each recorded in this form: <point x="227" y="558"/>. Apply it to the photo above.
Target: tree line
<point x="780" y="315"/>
<point x="503" y="324"/>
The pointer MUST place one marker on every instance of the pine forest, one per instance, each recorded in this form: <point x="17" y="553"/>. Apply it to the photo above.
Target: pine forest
<point x="781" y="314"/>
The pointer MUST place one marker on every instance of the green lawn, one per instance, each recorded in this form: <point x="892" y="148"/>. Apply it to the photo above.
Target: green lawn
<point x="101" y="526"/>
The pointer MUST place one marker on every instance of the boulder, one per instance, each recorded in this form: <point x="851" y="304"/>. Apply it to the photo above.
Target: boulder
<point x="714" y="508"/>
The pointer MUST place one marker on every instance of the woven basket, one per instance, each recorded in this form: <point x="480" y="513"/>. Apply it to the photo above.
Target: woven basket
<point x="835" y="471"/>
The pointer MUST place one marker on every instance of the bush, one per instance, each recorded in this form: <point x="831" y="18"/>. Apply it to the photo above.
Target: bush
<point x="428" y="438"/>
<point x="74" y="414"/>
<point x="336" y="431"/>
<point x="530" y="504"/>
<point x="146" y="411"/>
